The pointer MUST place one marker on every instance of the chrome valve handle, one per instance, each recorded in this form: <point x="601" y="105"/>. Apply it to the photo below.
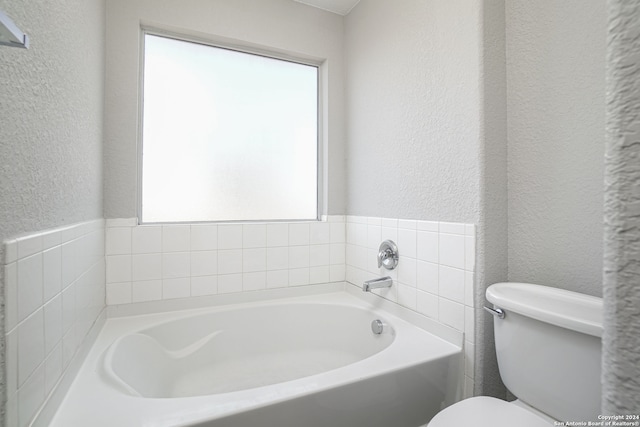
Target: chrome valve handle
<point x="388" y="256"/>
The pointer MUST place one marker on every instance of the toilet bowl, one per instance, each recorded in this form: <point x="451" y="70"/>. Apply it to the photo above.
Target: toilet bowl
<point x="548" y="345"/>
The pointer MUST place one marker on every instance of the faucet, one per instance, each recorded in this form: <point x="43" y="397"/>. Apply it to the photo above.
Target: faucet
<point x="382" y="282"/>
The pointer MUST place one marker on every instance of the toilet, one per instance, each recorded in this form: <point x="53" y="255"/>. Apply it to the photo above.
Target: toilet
<point x="548" y="344"/>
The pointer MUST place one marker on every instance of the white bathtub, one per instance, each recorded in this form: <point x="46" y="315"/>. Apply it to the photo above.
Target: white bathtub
<point x="307" y="361"/>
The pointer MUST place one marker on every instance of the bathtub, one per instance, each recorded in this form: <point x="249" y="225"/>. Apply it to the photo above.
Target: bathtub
<point x="309" y="361"/>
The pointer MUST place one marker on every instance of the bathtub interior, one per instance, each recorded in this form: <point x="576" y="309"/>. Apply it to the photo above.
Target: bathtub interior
<point x="235" y="350"/>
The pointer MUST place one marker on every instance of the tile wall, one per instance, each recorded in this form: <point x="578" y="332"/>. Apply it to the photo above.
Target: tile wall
<point x="159" y="262"/>
<point x="435" y="275"/>
<point x="55" y="279"/>
<point x="54" y="292"/>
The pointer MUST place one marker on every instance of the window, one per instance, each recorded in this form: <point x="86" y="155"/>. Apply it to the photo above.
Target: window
<point x="226" y="135"/>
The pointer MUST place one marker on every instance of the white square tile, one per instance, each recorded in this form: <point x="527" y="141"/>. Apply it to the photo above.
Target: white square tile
<point x="228" y="283"/>
<point x="469" y="324"/>
<point x="319" y="274"/>
<point x="408" y="224"/>
<point x="470" y="230"/>
<point x="254" y="281"/>
<point x="146" y="290"/>
<point x="277" y="279"/>
<point x="278" y="258"/>
<point x="319" y="255"/>
<point x="118" y="241"/>
<point x="11" y="295"/>
<point x="451" y="251"/>
<point x="53" y="368"/>
<point x="10" y="251"/>
<point x="469" y="350"/>
<point x="469" y="291"/>
<point x="389" y="222"/>
<point x="146" y="239"/>
<point x="69" y="263"/>
<point x="254" y="236"/>
<point x="176" y="265"/>
<point x="427" y="226"/>
<point x="452" y="228"/>
<point x="11" y="362"/>
<point x="50" y="239"/>
<point x="52" y="323"/>
<point x="337" y="253"/>
<point x="427" y="249"/>
<point x="52" y="272"/>
<point x="372" y="220"/>
<point x="468" y="387"/>
<point x="319" y="233"/>
<point x="204" y="263"/>
<point x="299" y="234"/>
<point x="30" y="345"/>
<point x="176" y="288"/>
<point x="388" y="233"/>
<point x="451" y="314"/>
<point x="451" y="283"/>
<point x="68" y="308"/>
<point x="204" y="285"/>
<point x="277" y="235"/>
<point x="337" y="232"/>
<point x="204" y="237"/>
<point x="121" y="222"/>
<point x="118" y="268"/>
<point x="427" y="277"/>
<point x="298" y="256"/>
<point x="31" y="396"/>
<point x="230" y="236"/>
<point x="69" y="346"/>
<point x="29" y="245"/>
<point x="407" y="296"/>
<point x="407" y="271"/>
<point x="336" y="218"/>
<point x="374" y="236"/>
<point x="298" y="277"/>
<point x="254" y="260"/>
<point x="146" y="266"/>
<point x="118" y="293"/>
<point x="11" y="417"/>
<point x="176" y="238"/>
<point x="30" y="285"/>
<point x="427" y="304"/>
<point x="337" y="273"/>
<point x="407" y="243"/>
<point x="230" y="261"/>
<point x="470" y="253"/>
<point x="357" y="234"/>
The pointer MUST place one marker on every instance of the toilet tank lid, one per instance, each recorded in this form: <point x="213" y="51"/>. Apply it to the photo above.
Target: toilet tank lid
<point x="570" y="310"/>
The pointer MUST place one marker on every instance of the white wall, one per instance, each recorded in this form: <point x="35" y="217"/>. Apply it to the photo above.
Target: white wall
<point x="51" y="112"/>
<point x="413" y="98"/>
<point x="555" y="105"/>
<point x="621" y="337"/>
<point x="280" y="25"/>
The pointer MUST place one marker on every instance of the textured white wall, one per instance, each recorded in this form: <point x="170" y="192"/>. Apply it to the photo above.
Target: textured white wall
<point x="281" y="25"/>
<point x="413" y="109"/>
<point x="555" y="103"/>
<point x="621" y="338"/>
<point x="51" y="112"/>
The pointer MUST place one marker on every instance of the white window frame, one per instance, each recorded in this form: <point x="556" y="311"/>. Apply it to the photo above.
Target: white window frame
<point x="252" y="49"/>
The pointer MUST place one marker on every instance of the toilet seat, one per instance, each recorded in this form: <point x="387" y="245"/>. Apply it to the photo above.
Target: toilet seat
<point x="483" y="411"/>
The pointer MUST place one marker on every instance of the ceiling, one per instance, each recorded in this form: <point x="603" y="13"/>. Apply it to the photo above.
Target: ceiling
<point x="341" y="7"/>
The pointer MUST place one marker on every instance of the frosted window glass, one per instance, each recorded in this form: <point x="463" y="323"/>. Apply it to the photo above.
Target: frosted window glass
<point x="227" y="135"/>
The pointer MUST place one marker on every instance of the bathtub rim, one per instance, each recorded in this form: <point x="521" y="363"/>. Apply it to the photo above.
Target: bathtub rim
<point x="205" y="303"/>
<point x="143" y="320"/>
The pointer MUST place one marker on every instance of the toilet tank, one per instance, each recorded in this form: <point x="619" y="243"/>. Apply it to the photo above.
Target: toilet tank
<point x="549" y="348"/>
